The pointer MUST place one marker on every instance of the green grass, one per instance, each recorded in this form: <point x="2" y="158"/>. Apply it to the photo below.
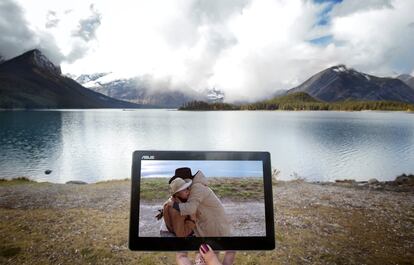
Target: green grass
<point x="15" y="181"/>
<point x="241" y="189"/>
<point x="154" y="189"/>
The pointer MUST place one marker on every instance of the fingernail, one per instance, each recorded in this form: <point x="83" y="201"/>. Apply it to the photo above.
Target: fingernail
<point x="204" y="248"/>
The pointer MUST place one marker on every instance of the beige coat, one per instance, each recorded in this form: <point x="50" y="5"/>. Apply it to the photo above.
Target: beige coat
<point x="211" y="219"/>
<point x="180" y="225"/>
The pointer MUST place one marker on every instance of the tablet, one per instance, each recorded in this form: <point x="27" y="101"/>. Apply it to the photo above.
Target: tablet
<point x="181" y="199"/>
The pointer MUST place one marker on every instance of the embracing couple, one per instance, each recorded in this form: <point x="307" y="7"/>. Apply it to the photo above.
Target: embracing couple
<point x="193" y="208"/>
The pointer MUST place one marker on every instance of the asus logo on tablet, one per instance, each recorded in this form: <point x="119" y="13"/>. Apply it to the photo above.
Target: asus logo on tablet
<point x="147" y="157"/>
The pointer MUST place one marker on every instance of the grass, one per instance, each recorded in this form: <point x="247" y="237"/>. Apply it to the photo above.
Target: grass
<point x="154" y="189"/>
<point x="240" y="189"/>
<point x="15" y="181"/>
<point x="90" y="236"/>
<point x="315" y="234"/>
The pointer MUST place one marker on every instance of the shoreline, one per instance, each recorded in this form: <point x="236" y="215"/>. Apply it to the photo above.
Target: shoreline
<point x="404" y="182"/>
<point x="200" y="110"/>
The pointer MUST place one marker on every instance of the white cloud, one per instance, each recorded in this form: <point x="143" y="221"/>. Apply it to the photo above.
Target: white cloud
<point x="378" y="40"/>
<point x="248" y="48"/>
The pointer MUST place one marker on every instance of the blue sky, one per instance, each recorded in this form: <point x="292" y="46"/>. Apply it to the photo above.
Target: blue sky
<point x="220" y="168"/>
<point x="324" y="14"/>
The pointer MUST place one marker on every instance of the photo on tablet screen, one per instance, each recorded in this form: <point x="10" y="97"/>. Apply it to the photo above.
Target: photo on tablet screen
<point x="201" y="198"/>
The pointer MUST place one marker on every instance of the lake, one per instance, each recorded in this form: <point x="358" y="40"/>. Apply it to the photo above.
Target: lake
<point x="95" y="145"/>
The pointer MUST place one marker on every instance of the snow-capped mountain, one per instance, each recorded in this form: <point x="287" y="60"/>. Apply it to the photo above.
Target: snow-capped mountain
<point x="214" y="95"/>
<point x="138" y="90"/>
<point x="84" y="79"/>
<point x="339" y="83"/>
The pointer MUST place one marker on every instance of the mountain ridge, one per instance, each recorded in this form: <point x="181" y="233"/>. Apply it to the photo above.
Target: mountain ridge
<point x="140" y="90"/>
<point x="339" y="83"/>
<point x="407" y="79"/>
<point x="31" y="80"/>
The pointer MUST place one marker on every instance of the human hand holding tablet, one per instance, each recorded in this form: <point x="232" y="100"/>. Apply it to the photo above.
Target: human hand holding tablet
<point x="220" y="198"/>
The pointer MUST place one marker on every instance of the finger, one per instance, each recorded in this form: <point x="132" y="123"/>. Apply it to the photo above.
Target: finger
<point x="229" y="257"/>
<point x="208" y="255"/>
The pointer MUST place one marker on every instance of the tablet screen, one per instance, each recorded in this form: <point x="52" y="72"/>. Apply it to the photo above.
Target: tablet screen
<point x="181" y="198"/>
<point x="226" y="198"/>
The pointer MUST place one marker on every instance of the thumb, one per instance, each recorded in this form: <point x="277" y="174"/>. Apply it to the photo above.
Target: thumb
<point x="208" y="255"/>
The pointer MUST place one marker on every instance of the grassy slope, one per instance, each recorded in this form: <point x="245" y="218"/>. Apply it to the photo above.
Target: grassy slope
<point x="241" y="189"/>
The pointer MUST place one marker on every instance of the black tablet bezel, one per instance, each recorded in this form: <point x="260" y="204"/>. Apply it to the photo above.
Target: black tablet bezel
<point x="193" y="243"/>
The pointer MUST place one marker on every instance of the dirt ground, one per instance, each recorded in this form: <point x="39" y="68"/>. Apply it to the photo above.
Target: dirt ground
<point x="43" y="223"/>
<point x="246" y="218"/>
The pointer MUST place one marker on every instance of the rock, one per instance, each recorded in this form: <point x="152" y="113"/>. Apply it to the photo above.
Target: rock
<point x="373" y="181"/>
<point x="48" y="171"/>
<point x="377" y="187"/>
<point x="405" y="179"/>
<point x="78" y="182"/>
<point x="350" y="181"/>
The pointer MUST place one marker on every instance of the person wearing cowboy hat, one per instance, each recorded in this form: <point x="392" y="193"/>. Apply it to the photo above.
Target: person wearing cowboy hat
<point x="202" y="201"/>
<point x="223" y="229"/>
<point x="182" y="172"/>
<point x="177" y="224"/>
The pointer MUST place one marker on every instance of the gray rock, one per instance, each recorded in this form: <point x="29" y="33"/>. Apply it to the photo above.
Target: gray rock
<point x="377" y="187"/>
<point x="348" y="181"/>
<point x="373" y="181"/>
<point x="78" y="182"/>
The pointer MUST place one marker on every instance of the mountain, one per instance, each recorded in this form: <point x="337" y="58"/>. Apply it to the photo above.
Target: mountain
<point x="214" y="95"/>
<point x="339" y="83"/>
<point x="84" y="78"/>
<point x="31" y="80"/>
<point x="407" y="79"/>
<point x="138" y="90"/>
<point x="279" y="93"/>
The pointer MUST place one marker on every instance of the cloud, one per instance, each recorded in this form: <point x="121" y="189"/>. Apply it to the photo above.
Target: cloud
<point x="377" y="38"/>
<point x="87" y="27"/>
<point x="83" y="35"/>
<point x="350" y="7"/>
<point x="17" y="37"/>
<point x="79" y="50"/>
<point x="51" y="19"/>
<point x="247" y="48"/>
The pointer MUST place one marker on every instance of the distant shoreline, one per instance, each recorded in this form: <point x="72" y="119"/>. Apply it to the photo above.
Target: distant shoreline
<point x="83" y="109"/>
<point x="231" y="187"/>
<point x="303" y="101"/>
<point x="202" y="110"/>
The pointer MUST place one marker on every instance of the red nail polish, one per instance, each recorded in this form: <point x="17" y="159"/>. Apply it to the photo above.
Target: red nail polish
<point x="204" y="248"/>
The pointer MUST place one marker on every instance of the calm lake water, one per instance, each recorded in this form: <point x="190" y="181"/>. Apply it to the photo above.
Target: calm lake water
<point x="94" y="145"/>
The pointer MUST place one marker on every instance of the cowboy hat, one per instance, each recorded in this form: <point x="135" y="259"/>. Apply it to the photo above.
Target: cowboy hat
<point x="182" y="172"/>
<point x="179" y="184"/>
